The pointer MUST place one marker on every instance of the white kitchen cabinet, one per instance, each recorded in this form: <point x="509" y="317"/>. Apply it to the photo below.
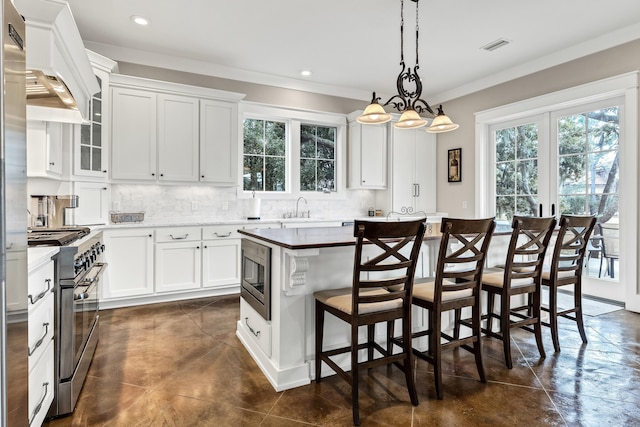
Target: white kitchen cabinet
<point x="129" y="254"/>
<point x="178" y="138"/>
<point x="175" y="133"/>
<point x="44" y="149"/>
<point x="91" y="140"/>
<point x="367" y="156"/>
<point x="93" y="203"/>
<point x="221" y="262"/>
<point x="178" y="259"/>
<point x="40" y="341"/>
<point x="218" y="142"/>
<point x="412" y="177"/>
<point x="134" y="142"/>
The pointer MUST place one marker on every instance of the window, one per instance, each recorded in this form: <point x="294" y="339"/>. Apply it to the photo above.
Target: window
<point x="288" y="152"/>
<point x="265" y="151"/>
<point x="317" y="158"/>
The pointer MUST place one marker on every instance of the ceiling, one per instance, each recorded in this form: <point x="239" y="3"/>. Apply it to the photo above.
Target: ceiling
<point x="352" y="47"/>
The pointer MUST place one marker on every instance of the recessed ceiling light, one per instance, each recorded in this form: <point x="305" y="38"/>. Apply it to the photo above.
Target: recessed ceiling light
<point x="140" y="20"/>
<point x="305" y="73"/>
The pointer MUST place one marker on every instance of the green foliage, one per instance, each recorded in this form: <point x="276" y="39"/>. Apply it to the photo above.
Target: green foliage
<point x="587" y="166"/>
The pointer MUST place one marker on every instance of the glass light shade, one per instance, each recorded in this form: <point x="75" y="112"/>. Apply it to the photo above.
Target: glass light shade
<point x="442" y="123"/>
<point x="410" y="119"/>
<point x="374" y="114"/>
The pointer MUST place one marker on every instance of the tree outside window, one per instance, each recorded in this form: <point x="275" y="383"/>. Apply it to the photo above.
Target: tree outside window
<point x="264" y="166"/>
<point x="317" y="158"/>
<point x="516" y="171"/>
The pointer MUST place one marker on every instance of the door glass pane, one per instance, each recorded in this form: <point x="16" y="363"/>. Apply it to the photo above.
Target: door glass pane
<point x="516" y="172"/>
<point x="588" y="181"/>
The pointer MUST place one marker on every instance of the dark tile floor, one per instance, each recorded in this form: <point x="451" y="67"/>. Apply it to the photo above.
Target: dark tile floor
<point x="180" y="364"/>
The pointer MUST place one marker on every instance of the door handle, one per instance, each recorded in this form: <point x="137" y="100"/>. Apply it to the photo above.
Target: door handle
<point x="540" y="209"/>
<point x="553" y="209"/>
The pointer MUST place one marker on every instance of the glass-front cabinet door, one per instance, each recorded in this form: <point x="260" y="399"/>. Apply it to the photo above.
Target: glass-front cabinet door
<point x="91" y="155"/>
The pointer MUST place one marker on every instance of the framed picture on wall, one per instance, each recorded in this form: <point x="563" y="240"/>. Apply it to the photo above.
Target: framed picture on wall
<point x="454" y="168"/>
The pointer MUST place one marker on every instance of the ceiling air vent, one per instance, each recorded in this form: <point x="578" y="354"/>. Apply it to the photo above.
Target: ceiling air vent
<point x="496" y="44"/>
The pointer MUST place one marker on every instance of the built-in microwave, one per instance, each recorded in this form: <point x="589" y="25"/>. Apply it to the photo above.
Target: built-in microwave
<point x="256" y="277"/>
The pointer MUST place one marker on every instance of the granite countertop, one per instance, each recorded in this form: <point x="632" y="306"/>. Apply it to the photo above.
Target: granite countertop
<point x="309" y="238"/>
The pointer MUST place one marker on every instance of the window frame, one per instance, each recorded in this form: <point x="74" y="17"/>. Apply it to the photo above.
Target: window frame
<point x="293" y="119"/>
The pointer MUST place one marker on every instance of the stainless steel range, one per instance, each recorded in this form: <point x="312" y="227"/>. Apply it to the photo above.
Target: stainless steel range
<point x="78" y="270"/>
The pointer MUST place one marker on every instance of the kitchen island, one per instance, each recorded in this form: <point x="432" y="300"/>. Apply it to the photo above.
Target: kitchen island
<point x="303" y="261"/>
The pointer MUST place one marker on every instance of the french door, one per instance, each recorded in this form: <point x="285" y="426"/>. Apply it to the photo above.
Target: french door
<point x="567" y="162"/>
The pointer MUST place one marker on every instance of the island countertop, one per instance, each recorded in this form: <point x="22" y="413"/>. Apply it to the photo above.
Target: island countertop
<point x="315" y="237"/>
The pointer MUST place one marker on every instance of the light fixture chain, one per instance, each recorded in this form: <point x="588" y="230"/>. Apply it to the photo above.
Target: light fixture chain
<point x="401" y="31"/>
<point x="417" y="33"/>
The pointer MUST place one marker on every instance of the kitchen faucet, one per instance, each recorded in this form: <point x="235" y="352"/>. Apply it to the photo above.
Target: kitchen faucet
<point x="297" y="202"/>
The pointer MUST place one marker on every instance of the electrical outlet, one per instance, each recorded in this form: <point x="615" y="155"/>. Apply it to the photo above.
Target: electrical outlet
<point x="116" y="205"/>
<point x="464" y="204"/>
<point x="194" y="205"/>
<point x="225" y="206"/>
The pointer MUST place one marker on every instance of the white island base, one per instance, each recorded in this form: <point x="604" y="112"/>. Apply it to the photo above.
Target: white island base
<point x="284" y="346"/>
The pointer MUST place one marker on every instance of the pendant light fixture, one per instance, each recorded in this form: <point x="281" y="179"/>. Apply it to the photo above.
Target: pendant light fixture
<point x="407" y="101"/>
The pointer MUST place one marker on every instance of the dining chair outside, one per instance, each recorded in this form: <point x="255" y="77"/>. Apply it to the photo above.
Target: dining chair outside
<point x="566" y="269"/>
<point x="610" y="247"/>
<point x="463" y="248"/>
<point x="521" y="276"/>
<point x="368" y="302"/>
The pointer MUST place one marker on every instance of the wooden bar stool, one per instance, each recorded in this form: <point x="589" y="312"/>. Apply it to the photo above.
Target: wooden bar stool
<point x="522" y="276"/>
<point x="368" y="301"/>
<point x="463" y="249"/>
<point x="566" y="269"/>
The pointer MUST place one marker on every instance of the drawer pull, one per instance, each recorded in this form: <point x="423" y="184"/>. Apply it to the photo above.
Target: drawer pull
<point x="41" y="294"/>
<point x="39" y="406"/>
<point x="39" y="343"/>
<point x="179" y="238"/>
<point x="255" y="333"/>
<point x="222" y="235"/>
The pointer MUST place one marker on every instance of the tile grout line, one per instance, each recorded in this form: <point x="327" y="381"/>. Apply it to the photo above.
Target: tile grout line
<point x="541" y="383"/>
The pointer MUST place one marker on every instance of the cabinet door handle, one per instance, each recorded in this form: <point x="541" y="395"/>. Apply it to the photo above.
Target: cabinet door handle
<point x="39" y="342"/>
<point x="39" y="405"/>
<point x="179" y="238"/>
<point x="104" y="171"/>
<point x="222" y="235"/>
<point x="255" y="333"/>
<point x="417" y="190"/>
<point x="201" y="176"/>
<point x="52" y="163"/>
<point x="41" y="294"/>
<point x="161" y="174"/>
<point x="153" y="174"/>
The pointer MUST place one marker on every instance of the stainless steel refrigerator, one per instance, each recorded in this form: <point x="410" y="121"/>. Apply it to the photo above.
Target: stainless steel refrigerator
<point x="14" y="372"/>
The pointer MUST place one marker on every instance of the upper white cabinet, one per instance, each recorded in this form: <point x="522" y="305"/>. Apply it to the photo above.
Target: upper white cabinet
<point x="169" y="132"/>
<point x="93" y="203"/>
<point x="412" y="174"/>
<point x="44" y="149"/>
<point x="218" y="142"/>
<point x="133" y="130"/>
<point x="178" y="157"/>
<point x="367" y="155"/>
<point x="91" y="140"/>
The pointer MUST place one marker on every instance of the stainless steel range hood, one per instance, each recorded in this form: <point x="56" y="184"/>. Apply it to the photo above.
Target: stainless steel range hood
<point x="60" y="80"/>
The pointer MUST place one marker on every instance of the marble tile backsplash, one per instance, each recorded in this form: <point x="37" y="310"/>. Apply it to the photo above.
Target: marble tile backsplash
<point x="164" y="204"/>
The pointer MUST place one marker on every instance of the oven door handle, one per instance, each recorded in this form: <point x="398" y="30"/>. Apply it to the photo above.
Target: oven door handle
<point x="90" y="281"/>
